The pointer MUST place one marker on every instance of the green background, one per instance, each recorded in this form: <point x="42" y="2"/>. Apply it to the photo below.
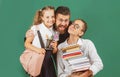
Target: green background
<point x="102" y="16"/>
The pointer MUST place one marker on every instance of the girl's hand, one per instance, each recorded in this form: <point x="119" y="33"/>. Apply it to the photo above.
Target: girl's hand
<point x="41" y="50"/>
<point x="54" y="46"/>
<point x="87" y="73"/>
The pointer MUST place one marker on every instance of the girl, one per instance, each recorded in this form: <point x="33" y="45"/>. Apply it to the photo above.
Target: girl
<point x="43" y="21"/>
<point x="76" y="31"/>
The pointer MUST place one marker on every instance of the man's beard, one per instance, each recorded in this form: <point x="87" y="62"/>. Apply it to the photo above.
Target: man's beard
<point x="62" y="28"/>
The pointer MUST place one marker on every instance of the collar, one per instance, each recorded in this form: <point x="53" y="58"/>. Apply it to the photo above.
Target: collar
<point x="78" y="42"/>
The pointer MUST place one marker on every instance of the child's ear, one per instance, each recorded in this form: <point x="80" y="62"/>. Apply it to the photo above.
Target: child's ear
<point x="42" y="18"/>
<point x="81" y="34"/>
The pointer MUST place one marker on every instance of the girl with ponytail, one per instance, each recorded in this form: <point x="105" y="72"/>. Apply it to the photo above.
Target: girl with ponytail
<point x="43" y="21"/>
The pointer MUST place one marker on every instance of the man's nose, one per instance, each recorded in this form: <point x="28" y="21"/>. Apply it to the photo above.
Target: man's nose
<point x="63" y="23"/>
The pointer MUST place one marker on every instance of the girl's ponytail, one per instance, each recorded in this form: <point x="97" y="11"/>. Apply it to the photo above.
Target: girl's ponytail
<point x="37" y="18"/>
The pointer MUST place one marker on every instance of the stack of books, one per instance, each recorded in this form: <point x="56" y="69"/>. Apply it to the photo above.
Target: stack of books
<point x="75" y="57"/>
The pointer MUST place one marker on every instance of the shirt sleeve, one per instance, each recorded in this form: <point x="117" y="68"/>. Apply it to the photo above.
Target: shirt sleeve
<point x="95" y="59"/>
<point x="60" y="64"/>
<point x="29" y="33"/>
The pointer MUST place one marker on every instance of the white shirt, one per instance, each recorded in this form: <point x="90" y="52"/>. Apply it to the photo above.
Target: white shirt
<point x="89" y="50"/>
<point x="46" y="33"/>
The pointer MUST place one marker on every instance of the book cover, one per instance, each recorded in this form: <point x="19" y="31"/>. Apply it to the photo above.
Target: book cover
<point x="71" y="47"/>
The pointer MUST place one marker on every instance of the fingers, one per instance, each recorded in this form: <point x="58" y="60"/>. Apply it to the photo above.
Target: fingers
<point x="42" y="51"/>
<point x="54" y="44"/>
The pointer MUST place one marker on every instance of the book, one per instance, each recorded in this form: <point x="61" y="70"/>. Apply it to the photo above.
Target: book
<point x="75" y="57"/>
<point x="79" y="64"/>
<point x="71" y="51"/>
<point x="69" y="57"/>
<point x="65" y="53"/>
<point x="71" y="48"/>
<point x="72" y="54"/>
<point x="78" y="59"/>
<point x="80" y="69"/>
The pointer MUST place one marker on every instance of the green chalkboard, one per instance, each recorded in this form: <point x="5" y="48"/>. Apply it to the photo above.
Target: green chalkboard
<point x="102" y="16"/>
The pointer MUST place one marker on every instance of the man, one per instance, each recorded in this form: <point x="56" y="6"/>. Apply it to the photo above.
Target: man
<point x="62" y="16"/>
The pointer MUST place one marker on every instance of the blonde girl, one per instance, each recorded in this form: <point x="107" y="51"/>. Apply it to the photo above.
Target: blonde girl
<point x="43" y="21"/>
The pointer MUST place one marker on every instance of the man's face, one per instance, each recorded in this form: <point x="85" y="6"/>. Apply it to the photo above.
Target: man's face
<point x="62" y="22"/>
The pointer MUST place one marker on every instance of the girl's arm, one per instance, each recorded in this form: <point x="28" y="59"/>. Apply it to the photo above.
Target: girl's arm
<point x="28" y="43"/>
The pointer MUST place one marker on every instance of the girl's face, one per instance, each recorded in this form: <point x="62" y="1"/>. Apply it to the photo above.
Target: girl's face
<point x="48" y="18"/>
<point x="76" y="28"/>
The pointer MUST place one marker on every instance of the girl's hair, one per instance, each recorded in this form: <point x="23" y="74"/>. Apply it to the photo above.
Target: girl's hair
<point x="84" y="29"/>
<point x="37" y="18"/>
<point x="84" y="26"/>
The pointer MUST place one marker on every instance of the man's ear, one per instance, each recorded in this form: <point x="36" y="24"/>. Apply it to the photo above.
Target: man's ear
<point x="81" y="34"/>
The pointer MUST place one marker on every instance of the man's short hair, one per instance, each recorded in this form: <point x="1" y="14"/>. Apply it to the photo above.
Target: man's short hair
<point x="62" y="10"/>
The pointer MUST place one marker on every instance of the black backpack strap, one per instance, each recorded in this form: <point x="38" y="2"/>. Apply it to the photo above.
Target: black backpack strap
<point x="43" y="46"/>
<point x="40" y="39"/>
